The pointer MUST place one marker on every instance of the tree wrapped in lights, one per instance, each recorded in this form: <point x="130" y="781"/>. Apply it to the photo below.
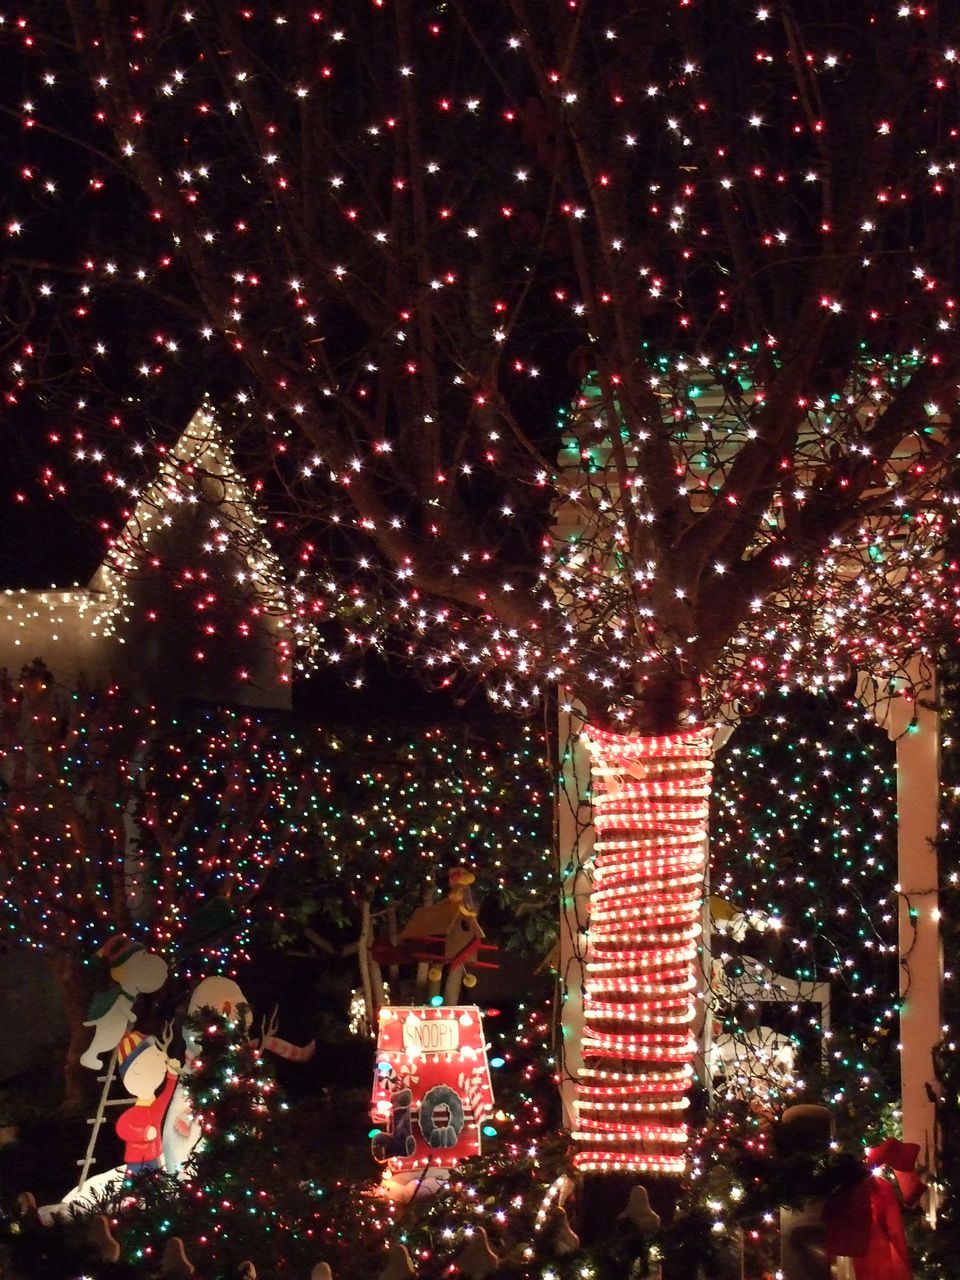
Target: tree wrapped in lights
<point x="117" y="818"/>
<point x="408" y="231"/>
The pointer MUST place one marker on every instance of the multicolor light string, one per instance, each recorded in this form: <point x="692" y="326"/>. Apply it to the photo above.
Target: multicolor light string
<point x="116" y="814"/>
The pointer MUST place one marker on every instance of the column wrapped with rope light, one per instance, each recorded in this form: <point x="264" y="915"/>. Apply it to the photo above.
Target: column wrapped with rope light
<point x="650" y="798"/>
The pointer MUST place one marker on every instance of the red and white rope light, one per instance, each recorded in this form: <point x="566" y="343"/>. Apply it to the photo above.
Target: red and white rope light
<point x="650" y="800"/>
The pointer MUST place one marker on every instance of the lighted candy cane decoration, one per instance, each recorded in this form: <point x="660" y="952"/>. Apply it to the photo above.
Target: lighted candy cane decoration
<point x="650" y="802"/>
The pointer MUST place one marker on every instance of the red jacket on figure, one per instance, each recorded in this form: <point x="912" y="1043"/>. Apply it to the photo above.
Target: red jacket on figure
<point x="140" y="1126"/>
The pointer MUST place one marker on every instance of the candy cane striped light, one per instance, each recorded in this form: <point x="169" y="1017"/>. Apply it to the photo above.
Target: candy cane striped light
<point x="650" y="798"/>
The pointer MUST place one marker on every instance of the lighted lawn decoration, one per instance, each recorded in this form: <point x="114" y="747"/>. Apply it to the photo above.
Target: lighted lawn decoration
<point x="222" y="996"/>
<point x="160" y="1130"/>
<point x="431" y="1093"/>
<point x="405" y="235"/>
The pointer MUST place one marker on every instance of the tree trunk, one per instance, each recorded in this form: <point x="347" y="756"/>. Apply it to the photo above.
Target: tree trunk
<point x="650" y="802"/>
<point x="75" y="992"/>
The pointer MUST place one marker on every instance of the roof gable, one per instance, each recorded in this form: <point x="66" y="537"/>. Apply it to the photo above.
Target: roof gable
<point x="102" y="630"/>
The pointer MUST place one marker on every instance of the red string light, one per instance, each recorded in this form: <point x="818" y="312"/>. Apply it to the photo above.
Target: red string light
<point x="650" y="810"/>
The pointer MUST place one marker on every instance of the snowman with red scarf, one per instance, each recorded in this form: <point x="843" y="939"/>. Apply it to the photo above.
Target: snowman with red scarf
<point x="181" y="1128"/>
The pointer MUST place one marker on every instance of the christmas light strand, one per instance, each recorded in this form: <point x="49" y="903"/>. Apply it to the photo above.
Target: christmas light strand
<point x="650" y="794"/>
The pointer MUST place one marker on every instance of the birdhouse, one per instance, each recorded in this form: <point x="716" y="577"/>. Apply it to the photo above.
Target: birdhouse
<point x="451" y="922"/>
<point x="442" y="935"/>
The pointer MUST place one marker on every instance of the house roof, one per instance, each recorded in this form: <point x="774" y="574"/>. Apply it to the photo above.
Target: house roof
<point x="52" y="548"/>
<point x="198" y="505"/>
<point x="436" y="919"/>
<point x="196" y="473"/>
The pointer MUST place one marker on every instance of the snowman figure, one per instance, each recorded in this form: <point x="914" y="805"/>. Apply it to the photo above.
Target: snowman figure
<point x="133" y="971"/>
<point x="144" y="1068"/>
<point x="181" y="1128"/>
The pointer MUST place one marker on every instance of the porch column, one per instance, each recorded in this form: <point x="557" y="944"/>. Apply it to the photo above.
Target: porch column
<point x="574" y="845"/>
<point x="915" y="727"/>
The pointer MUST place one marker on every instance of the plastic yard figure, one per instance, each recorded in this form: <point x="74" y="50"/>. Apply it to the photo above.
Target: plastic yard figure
<point x="133" y="971"/>
<point x="144" y="1068"/>
<point x="181" y="1129"/>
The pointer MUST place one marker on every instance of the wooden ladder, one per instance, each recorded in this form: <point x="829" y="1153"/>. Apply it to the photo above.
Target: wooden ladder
<point x="96" y="1121"/>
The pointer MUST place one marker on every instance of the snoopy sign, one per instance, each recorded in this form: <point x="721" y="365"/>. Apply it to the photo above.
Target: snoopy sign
<point x="431" y="1089"/>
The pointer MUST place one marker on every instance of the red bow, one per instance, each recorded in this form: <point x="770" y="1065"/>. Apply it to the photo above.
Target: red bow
<point x="901" y="1159"/>
<point x="864" y="1223"/>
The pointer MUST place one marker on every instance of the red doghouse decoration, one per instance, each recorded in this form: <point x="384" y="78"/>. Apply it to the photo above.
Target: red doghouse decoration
<point x="431" y="1087"/>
